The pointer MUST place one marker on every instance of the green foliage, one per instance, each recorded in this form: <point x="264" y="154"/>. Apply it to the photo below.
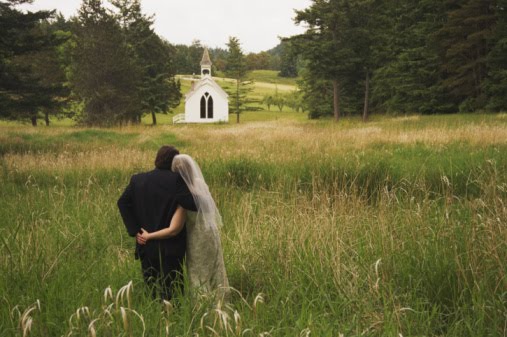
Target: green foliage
<point x="496" y="83"/>
<point x="421" y="56"/>
<point x="466" y="39"/>
<point x="293" y="100"/>
<point x="188" y="58"/>
<point x="258" y="61"/>
<point x="30" y="79"/>
<point x="333" y="52"/>
<point x="317" y="95"/>
<point x="120" y="69"/>
<point x="288" y="60"/>
<point x="236" y="69"/>
<point x="159" y="91"/>
<point x="104" y="73"/>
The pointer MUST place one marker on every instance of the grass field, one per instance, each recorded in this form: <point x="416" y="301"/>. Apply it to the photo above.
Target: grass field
<point x="266" y="76"/>
<point x="392" y="228"/>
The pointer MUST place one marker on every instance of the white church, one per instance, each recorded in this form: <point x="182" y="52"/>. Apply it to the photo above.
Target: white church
<point x="206" y="102"/>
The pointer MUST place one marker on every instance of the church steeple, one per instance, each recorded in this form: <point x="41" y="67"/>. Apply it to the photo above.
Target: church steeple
<point x="205" y="63"/>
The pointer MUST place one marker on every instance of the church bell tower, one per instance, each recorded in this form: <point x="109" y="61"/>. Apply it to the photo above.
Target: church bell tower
<point x="205" y="64"/>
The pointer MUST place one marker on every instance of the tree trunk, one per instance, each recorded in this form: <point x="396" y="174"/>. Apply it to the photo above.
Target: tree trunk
<point x="366" y="96"/>
<point x="336" y="100"/>
<point x="154" y="117"/>
<point x="46" y="117"/>
<point x="34" y="120"/>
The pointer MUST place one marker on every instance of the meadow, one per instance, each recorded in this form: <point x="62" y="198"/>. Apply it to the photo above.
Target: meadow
<point x="391" y="228"/>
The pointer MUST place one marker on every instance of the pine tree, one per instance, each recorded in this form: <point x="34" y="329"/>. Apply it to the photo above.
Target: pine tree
<point x="317" y="94"/>
<point x="325" y="45"/>
<point x="288" y="60"/>
<point x="365" y="38"/>
<point x="23" y="93"/>
<point x="409" y="81"/>
<point x="49" y="66"/>
<point x="466" y="39"/>
<point x="158" y="89"/>
<point x="236" y="69"/>
<point x="496" y="84"/>
<point x="104" y="72"/>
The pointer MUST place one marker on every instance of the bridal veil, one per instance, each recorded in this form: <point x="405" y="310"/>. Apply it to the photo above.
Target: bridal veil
<point x="205" y="263"/>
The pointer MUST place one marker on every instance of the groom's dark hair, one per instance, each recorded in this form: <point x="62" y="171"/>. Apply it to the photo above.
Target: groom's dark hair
<point x="165" y="156"/>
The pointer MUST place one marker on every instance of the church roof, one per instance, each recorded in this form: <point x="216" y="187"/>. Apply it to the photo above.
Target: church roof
<point x="206" y="81"/>
<point x="205" y="61"/>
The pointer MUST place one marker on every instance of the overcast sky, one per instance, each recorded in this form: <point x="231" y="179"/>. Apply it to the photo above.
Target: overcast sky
<point x="257" y="23"/>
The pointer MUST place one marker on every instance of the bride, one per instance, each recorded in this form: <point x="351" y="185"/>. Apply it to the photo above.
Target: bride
<point x="204" y="259"/>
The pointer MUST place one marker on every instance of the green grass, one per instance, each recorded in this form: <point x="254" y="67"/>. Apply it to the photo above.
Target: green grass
<point x="267" y="76"/>
<point x="329" y="228"/>
<point x="271" y="76"/>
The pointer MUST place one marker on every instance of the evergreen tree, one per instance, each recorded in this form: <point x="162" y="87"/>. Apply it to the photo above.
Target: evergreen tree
<point x="326" y="45"/>
<point x="317" y="94"/>
<point x="104" y="73"/>
<point x="366" y="40"/>
<point x="49" y="68"/>
<point x="410" y="79"/>
<point x="187" y="58"/>
<point x="23" y="91"/>
<point x="288" y="60"/>
<point x="466" y="39"/>
<point x="236" y="68"/>
<point x="219" y="57"/>
<point x="496" y="85"/>
<point x="158" y="89"/>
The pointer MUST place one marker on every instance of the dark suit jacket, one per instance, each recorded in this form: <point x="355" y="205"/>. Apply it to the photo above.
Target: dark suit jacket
<point x="150" y="201"/>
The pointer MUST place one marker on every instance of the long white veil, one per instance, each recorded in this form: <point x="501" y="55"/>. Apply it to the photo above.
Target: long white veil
<point x="205" y="262"/>
<point x="207" y="211"/>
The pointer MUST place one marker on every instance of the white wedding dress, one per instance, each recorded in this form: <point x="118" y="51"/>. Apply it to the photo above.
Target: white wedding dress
<point x="205" y="261"/>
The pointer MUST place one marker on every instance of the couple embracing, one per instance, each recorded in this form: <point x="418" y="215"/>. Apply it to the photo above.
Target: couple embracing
<point x="174" y="219"/>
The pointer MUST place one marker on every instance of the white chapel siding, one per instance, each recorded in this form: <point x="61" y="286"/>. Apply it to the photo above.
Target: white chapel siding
<point x="193" y="103"/>
<point x="206" y="87"/>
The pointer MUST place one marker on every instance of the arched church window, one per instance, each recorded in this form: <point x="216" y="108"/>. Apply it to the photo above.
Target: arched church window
<point x="210" y="107"/>
<point x="203" y="107"/>
<point x="205" y="72"/>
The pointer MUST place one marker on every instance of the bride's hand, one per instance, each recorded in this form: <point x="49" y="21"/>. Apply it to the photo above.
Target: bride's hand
<point x="142" y="237"/>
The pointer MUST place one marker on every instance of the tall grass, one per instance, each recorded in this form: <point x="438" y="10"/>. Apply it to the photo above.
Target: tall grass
<point x="377" y="230"/>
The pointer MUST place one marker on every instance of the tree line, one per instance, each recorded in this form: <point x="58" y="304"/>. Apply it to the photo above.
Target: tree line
<point x="403" y="56"/>
<point x="104" y="66"/>
<point x="279" y="58"/>
<point x="107" y="66"/>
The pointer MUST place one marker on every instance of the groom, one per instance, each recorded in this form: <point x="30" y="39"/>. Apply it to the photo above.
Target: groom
<point x="149" y="202"/>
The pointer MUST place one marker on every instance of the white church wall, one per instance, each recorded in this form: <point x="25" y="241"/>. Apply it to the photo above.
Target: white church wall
<point x="193" y="106"/>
